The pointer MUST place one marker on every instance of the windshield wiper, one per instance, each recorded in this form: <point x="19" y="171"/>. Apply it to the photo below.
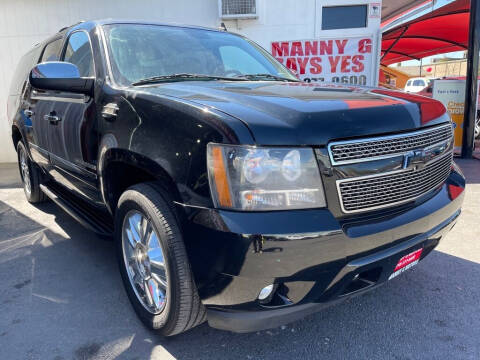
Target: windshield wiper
<point x="266" y="76"/>
<point x="183" y="76"/>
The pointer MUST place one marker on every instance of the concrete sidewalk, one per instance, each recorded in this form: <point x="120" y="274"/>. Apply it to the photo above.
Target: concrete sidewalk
<point x="9" y="176"/>
<point x="61" y="298"/>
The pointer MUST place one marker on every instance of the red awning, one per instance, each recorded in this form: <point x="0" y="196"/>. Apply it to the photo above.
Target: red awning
<point x="438" y="32"/>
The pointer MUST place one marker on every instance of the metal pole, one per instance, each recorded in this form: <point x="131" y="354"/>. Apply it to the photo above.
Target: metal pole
<point x="472" y="80"/>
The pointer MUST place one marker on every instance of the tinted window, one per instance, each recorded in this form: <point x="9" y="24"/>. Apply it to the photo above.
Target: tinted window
<point x="27" y="62"/>
<point x="52" y="50"/>
<point x="236" y="60"/>
<point x="141" y="51"/>
<point x="418" y="83"/>
<point x="409" y="82"/>
<point x="344" y="17"/>
<point x="79" y="52"/>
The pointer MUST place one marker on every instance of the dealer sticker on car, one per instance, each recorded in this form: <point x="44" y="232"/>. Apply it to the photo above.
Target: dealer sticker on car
<point x="406" y="262"/>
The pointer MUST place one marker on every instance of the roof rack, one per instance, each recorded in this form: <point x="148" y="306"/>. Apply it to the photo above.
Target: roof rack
<point x="66" y="27"/>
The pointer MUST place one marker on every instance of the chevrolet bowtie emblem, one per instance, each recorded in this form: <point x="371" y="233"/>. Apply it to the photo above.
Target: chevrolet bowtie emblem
<point x="417" y="159"/>
<point x="414" y="160"/>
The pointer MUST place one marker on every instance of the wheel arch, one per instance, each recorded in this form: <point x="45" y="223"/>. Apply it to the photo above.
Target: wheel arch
<point x="16" y="135"/>
<point x="120" y="168"/>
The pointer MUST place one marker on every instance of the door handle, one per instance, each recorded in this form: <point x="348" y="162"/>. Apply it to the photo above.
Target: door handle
<point x="28" y="113"/>
<point x="53" y="119"/>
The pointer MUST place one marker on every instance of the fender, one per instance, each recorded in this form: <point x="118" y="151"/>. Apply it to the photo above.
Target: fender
<point x="110" y="155"/>
<point x="21" y="130"/>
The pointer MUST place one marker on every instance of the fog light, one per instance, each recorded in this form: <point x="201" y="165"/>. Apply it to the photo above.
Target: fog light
<point x="265" y="292"/>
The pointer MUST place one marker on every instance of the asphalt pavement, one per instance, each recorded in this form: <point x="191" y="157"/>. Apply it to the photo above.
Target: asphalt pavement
<point x="61" y="297"/>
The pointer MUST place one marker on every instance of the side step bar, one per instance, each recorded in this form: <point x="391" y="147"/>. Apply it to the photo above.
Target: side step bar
<point x="75" y="211"/>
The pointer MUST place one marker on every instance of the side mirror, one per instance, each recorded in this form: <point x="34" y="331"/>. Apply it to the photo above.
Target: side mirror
<point x="60" y="76"/>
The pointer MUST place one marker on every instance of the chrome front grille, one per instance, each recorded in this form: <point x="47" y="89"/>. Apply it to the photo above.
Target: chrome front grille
<point x="388" y="189"/>
<point x="344" y="152"/>
<point x="417" y="162"/>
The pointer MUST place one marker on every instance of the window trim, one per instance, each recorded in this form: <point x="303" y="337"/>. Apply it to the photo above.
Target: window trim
<point x="347" y="5"/>
<point x="108" y="74"/>
<point x="39" y="60"/>
<point x="65" y="45"/>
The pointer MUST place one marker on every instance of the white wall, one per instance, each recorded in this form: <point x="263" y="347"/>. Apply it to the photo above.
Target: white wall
<point x="288" y="20"/>
<point x="295" y="20"/>
<point x="26" y="22"/>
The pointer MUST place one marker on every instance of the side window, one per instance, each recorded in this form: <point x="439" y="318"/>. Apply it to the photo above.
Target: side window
<point x="418" y="83"/>
<point x="409" y="82"/>
<point x="27" y="62"/>
<point x="79" y="52"/>
<point x="238" y="59"/>
<point x="52" y="50"/>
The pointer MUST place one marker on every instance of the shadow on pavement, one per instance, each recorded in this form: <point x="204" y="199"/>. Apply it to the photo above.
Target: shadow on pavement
<point x="62" y="298"/>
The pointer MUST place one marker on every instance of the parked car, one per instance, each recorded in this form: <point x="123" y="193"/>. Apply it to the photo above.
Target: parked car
<point x="415" y="85"/>
<point x="234" y="192"/>
<point x="428" y="91"/>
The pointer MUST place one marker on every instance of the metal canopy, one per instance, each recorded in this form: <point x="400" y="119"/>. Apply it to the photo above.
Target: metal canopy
<point x="452" y="27"/>
<point x="440" y="31"/>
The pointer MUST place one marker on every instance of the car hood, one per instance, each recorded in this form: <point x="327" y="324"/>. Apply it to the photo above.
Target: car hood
<point x="281" y="113"/>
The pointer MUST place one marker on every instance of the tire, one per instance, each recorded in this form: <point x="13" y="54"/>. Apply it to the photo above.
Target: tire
<point x="477" y="127"/>
<point x="30" y="175"/>
<point x="148" y="206"/>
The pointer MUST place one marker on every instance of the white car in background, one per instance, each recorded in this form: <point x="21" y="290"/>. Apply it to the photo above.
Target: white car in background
<point x="415" y="85"/>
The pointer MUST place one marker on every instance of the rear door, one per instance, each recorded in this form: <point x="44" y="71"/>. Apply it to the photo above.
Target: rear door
<point x="37" y="103"/>
<point x="73" y="138"/>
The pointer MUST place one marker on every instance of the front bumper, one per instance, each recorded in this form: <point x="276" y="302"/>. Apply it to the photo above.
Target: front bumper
<point x="313" y="258"/>
<point x="385" y="260"/>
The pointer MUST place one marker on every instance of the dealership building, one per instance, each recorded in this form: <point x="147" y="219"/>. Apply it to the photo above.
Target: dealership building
<point x="321" y="40"/>
<point x="288" y="23"/>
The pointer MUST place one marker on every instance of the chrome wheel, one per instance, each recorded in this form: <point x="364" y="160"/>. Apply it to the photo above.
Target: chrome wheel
<point x="144" y="260"/>
<point x="24" y="169"/>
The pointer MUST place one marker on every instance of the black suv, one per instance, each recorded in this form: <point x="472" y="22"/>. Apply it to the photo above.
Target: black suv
<point x="235" y="193"/>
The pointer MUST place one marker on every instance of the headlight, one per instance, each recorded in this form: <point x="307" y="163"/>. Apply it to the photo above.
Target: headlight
<point x="262" y="178"/>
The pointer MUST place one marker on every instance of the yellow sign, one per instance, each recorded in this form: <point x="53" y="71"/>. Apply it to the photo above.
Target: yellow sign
<point x="452" y="94"/>
<point x="456" y="111"/>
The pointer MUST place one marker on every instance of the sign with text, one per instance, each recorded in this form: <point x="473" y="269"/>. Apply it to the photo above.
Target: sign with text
<point x="452" y="94"/>
<point x="345" y="60"/>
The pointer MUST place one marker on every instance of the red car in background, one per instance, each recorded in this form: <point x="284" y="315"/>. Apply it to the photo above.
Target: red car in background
<point x="428" y="91"/>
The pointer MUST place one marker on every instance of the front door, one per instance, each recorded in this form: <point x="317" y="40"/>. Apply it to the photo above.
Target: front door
<point x="36" y="104"/>
<point x="73" y="139"/>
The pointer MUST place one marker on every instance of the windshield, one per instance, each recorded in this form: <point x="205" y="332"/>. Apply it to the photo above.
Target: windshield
<point x="418" y="83"/>
<point x="140" y="51"/>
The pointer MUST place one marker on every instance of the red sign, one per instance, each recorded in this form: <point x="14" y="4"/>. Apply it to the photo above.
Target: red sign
<point x="406" y="262"/>
<point x="407" y="259"/>
<point x="340" y="60"/>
